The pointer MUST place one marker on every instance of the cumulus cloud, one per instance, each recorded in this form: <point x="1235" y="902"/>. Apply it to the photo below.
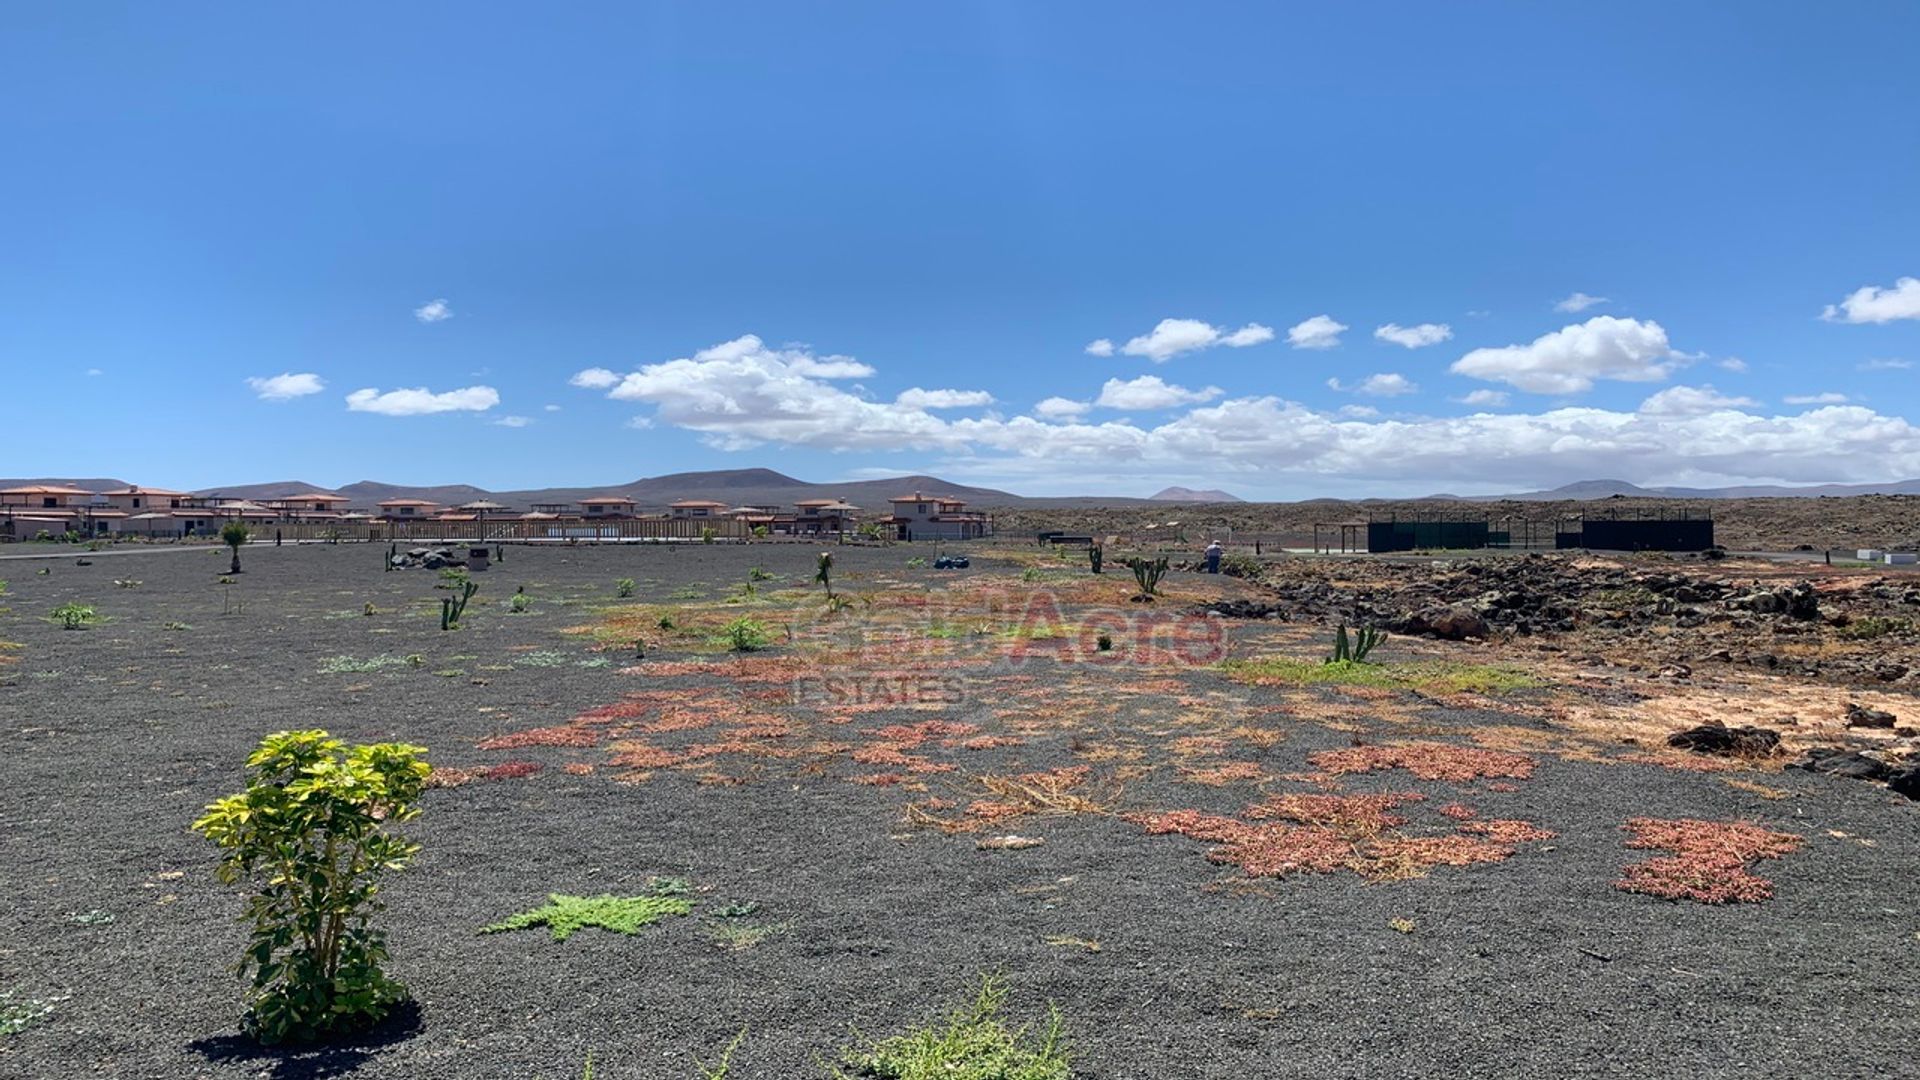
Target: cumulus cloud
<point x="1579" y="302"/>
<point x="1387" y="384"/>
<point x="1150" y="392"/>
<point x="1873" y="304"/>
<point x="1359" y="412"/>
<point x="1319" y="332"/>
<point x="595" y="378"/>
<point x="1735" y="365"/>
<point x="917" y="398"/>
<point x="1100" y="347"/>
<point x="1827" y="398"/>
<point x="1885" y="364"/>
<point x="743" y="393"/>
<point x="1692" y="400"/>
<point x="1570" y="359"/>
<point x="434" y="311"/>
<point x="421" y="401"/>
<point x="1414" y="337"/>
<point x="1171" y="337"/>
<point x="1059" y="408"/>
<point x="286" y="386"/>
<point x="1486" y="399"/>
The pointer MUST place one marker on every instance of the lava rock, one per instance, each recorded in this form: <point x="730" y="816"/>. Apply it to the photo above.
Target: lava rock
<point x="1834" y="761"/>
<point x="1860" y="716"/>
<point x="1725" y="741"/>
<point x="1452" y="623"/>
<point x="1906" y="782"/>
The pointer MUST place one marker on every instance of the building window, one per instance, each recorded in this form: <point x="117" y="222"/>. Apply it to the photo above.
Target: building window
<point x="136" y="502"/>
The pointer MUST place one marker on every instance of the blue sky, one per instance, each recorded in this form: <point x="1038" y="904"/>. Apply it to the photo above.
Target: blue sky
<point x="672" y="237"/>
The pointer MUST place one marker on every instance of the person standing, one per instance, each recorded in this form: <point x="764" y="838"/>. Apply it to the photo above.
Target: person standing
<point x="1213" y="557"/>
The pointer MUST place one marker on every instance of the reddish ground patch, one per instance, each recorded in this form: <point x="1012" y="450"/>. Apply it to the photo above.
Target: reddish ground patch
<point x="1709" y="864"/>
<point x="1428" y="761"/>
<point x="562" y="735"/>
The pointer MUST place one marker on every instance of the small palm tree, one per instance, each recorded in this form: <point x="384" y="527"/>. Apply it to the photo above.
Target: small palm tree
<point x="233" y="534"/>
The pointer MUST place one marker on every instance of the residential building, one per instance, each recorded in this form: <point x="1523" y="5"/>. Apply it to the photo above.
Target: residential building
<point x="936" y="517"/>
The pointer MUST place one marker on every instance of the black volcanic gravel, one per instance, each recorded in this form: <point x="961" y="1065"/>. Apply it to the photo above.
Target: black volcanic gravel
<point x="1534" y="967"/>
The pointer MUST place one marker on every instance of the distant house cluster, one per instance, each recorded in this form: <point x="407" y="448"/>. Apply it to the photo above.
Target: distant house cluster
<point x="52" y="510"/>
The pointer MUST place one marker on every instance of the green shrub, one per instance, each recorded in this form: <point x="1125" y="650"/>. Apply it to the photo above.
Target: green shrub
<point x="762" y="531"/>
<point x="1873" y="626"/>
<point x="973" y="1044"/>
<point x="1355" y="650"/>
<point x="517" y="604"/>
<point x="72" y="616"/>
<point x="564" y="914"/>
<point x="706" y="534"/>
<point x="823" y="572"/>
<point x="313" y="832"/>
<point x="758" y="574"/>
<point x="916" y="563"/>
<point x="745" y="635"/>
<point x="1147" y="574"/>
<point x="233" y="534"/>
<point x="623" y="588"/>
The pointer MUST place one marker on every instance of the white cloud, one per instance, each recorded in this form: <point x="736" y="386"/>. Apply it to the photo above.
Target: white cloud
<point x="94" y="372"/>
<point x="1414" y="337"/>
<point x="1578" y="302"/>
<point x="1827" y="398"/>
<point x="917" y="398"/>
<point x="1388" y="384"/>
<point x="1486" y="399"/>
<point x="1359" y="412"/>
<point x="1319" y="332"/>
<point x="595" y="378"/>
<point x="1251" y="334"/>
<point x="1570" y="359"/>
<point x="1171" y="337"/>
<point x="513" y="421"/>
<point x="287" y="386"/>
<point x="420" y="401"/>
<point x="1059" y="408"/>
<point x="1734" y="364"/>
<point x="1100" y="347"/>
<point x="1691" y="401"/>
<point x="1150" y="392"/>
<point x="1886" y="364"/>
<point x="551" y="408"/>
<point x="1871" y="304"/>
<point x="743" y="393"/>
<point x="434" y="311"/>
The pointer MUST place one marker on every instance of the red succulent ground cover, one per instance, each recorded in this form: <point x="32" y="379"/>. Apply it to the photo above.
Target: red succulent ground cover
<point x="1709" y="864"/>
<point x="560" y="735"/>
<point x="1428" y="761"/>
<point x="1322" y="834"/>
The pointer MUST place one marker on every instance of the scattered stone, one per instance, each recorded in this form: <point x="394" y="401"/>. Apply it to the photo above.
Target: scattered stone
<point x="1906" y="782"/>
<point x="1009" y="842"/>
<point x="1453" y="623"/>
<point x="1859" y="716"/>
<point x="1245" y="609"/>
<point x="1727" y="742"/>
<point x="1834" y="761"/>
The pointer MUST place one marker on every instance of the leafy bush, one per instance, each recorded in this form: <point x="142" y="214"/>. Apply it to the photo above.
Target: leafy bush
<point x="916" y="563"/>
<point x="314" y="832"/>
<point x="745" y="635"/>
<point x="758" y="574"/>
<point x="1873" y="626"/>
<point x="762" y="531"/>
<point x="623" y="588"/>
<point x="972" y="1045"/>
<point x="823" y="572"/>
<point x="72" y="616"/>
<point x="706" y="534"/>
<point x="517" y="604"/>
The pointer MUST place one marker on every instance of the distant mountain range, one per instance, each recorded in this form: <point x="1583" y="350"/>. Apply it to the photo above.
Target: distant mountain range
<point x="1188" y="495"/>
<point x="767" y="487"/>
<point x="1584" y="490"/>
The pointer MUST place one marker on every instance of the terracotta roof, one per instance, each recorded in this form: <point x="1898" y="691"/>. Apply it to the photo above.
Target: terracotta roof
<point x="137" y="490"/>
<point x="691" y="503"/>
<point x="406" y="502"/>
<point x="606" y="500"/>
<point x="44" y="489"/>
